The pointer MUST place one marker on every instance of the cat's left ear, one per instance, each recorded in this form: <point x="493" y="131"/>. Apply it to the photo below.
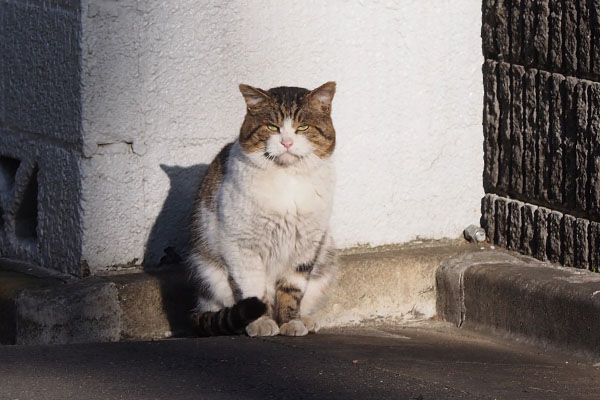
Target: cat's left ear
<point x="255" y="98"/>
<point x="321" y="97"/>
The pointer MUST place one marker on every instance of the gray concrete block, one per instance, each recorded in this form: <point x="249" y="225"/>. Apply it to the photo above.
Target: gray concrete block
<point x="501" y="234"/>
<point x="554" y="244"/>
<point x="491" y="117"/>
<point x="542" y="32"/>
<point x="42" y="71"/>
<point x="581" y="243"/>
<point x="528" y="244"/>
<point x="504" y="133"/>
<point x="529" y="134"/>
<point x="514" y="225"/>
<point x="584" y="37"/>
<point x="495" y="288"/>
<point x="84" y="311"/>
<point x="541" y="233"/>
<point x="516" y="118"/>
<point x="570" y="25"/>
<point x="556" y="140"/>
<point x="543" y="145"/>
<point x="568" y="240"/>
<point x="555" y="42"/>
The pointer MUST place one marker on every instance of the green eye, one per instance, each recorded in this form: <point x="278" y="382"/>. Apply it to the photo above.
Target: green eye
<point x="273" y="128"/>
<point x="302" y="127"/>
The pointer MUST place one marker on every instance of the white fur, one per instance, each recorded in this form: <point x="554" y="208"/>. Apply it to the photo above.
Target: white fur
<point x="271" y="217"/>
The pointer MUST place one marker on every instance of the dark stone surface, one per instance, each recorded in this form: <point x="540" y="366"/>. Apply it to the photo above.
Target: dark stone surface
<point x="570" y="24"/>
<point x="514" y="225"/>
<point x="516" y="118"/>
<point x="581" y="243"/>
<point x="568" y="241"/>
<point x="529" y="14"/>
<point x="554" y="243"/>
<point x="542" y="31"/>
<point x="584" y="36"/>
<point x="504" y="134"/>
<point x="516" y="30"/>
<point x="491" y="118"/>
<point x="594" y="246"/>
<point x="581" y="146"/>
<point x="488" y="39"/>
<point x="569" y="140"/>
<point x="593" y="158"/>
<point x="555" y="43"/>
<point x="502" y="28"/>
<point x="488" y="216"/>
<point x="501" y="235"/>
<point x="541" y="233"/>
<point x="543" y="145"/>
<point x="528" y="244"/>
<point x="529" y="134"/>
<point x="595" y="39"/>
<point x="556" y="143"/>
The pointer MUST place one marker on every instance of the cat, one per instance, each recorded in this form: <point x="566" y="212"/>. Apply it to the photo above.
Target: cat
<point x="261" y="253"/>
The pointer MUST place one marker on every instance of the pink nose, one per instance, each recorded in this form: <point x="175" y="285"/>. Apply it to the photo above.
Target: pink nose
<point x="287" y="143"/>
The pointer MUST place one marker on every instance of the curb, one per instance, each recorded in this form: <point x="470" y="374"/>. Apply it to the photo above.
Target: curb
<point x="515" y="295"/>
<point x="394" y="283"/>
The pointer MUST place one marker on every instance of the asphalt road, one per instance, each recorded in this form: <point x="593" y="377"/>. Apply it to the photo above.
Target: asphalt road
<point x="424" y="362"/>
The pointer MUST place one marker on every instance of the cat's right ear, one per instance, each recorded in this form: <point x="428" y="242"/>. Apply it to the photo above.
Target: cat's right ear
<point x="255" y="98"/>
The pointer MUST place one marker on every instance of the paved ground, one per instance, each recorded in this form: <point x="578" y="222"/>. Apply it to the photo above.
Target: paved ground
<point x="430" y="361"/>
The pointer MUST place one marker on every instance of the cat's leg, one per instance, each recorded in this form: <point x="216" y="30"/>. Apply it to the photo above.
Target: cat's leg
<point x="248" y="278"/>
<point x="288" y="295"/>
<point x="212" y="281"/>
<point x="322" y="274"/>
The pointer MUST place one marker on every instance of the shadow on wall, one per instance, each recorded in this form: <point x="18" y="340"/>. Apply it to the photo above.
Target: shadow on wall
<point x="167" y="242"/>
<point x="166" y="248"/>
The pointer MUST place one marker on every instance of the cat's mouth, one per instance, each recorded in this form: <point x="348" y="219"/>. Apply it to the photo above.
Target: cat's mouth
<point x="285" y="158"/>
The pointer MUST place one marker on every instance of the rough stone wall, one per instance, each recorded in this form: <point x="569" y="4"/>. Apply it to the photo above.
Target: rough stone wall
<point x="542" y="128"/>
<point x="40" y="134"/>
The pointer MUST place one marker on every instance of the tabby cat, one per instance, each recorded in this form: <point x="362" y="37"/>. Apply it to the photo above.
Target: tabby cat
<point x="261" y="252"/>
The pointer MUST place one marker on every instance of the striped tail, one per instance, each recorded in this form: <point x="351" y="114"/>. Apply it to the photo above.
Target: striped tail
<point x="230" y="320"/>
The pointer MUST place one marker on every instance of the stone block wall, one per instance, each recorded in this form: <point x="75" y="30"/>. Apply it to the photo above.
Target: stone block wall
<point x="541" y="125"/>
<point x="40" y="133"/>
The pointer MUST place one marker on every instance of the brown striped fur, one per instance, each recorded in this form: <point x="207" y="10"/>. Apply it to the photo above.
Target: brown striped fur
<point x="302" y="105"/>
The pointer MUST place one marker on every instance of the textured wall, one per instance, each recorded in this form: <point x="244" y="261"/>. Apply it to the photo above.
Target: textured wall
<point x="542" y="128"/>
<point x="40" y="135"/>
<point x="160" y="99"/>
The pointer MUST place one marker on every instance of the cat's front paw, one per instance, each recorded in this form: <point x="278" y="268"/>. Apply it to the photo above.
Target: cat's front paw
<point x="312" y="325"/>
<point x="294" y="327"/>
<point x="264" y="326"/>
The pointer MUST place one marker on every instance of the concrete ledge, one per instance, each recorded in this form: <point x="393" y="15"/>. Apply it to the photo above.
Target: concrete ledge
<point x="395" y="282"/>
<point x="519" y="296"/>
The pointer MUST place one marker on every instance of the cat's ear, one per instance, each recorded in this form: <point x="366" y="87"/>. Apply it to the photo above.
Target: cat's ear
<point x="321" y="97"/>
<point x="255" y="98"/>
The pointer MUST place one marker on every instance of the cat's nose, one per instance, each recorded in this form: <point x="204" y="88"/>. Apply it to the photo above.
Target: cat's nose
<point x="287" y="143"/>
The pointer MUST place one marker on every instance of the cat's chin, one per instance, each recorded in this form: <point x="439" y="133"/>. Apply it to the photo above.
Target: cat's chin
<point x="286" y="159"/>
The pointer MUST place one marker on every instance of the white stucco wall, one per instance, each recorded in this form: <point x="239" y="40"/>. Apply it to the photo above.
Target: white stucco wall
<point x="160" y="87"/>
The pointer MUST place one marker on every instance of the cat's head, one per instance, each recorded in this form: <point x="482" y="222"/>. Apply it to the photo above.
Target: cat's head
<point x="285" y="125"/>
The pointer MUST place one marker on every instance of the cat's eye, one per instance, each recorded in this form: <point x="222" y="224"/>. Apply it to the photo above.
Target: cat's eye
<point x="302" y="128"/>
<point x="273" y="128"/>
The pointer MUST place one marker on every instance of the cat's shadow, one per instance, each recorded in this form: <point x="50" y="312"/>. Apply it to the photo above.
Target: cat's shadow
<point x="166" y="247"/>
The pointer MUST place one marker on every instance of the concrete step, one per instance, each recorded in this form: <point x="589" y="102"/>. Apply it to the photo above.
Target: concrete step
<point x="393" y="283"/>
<point x="513" y="295"/>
